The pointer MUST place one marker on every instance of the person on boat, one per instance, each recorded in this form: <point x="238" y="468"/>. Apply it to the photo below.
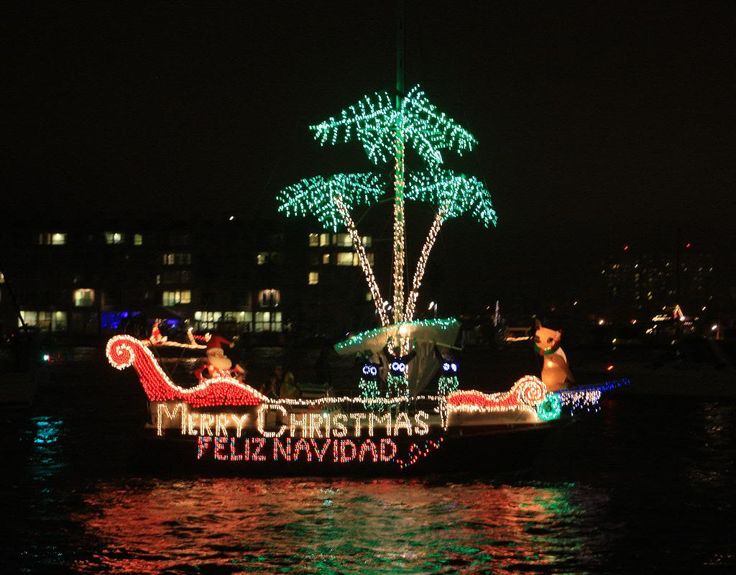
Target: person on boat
<point x="370" y="377"/>
<point x="397" y="380"/>
<point x="556" y="373"/>
<point x="449" y="365"/>
<point x="283" y="385"/>
<point x="156" y="337"/>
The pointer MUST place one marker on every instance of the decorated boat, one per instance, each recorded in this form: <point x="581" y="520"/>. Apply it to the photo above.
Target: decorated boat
<point x="389" y="423"/>
<point x="228" y="423"/>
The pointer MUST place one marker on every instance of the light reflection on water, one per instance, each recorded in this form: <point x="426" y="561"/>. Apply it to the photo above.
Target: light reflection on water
<point x="342" y="526"/>
<point x="646" y="485"/>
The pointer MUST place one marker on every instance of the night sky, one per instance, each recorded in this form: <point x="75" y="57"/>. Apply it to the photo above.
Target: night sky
<point x="600" y="123"/>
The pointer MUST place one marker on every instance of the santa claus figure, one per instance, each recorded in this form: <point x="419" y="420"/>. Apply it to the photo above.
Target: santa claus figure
<point x="218" y="364"/>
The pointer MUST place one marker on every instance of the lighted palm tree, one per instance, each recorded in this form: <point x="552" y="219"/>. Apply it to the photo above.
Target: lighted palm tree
<point x="384" y="128"/>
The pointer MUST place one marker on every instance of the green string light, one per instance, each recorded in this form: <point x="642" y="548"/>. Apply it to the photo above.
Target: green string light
<point x="447" y="384"/>
<point x="373" y="120"/>
<point x="369" y="391"/>
<point x="360" y="338"/>
<point x="454" y="194"/>
<point x="316" y="196"/>
<point x="384" y="128"/>
<point x="550" y="408"/>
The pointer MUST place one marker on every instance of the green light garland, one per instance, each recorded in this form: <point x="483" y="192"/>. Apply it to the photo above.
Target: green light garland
<point x="454" y="194"/>
<point x="550" y="408"/>
<point x="361" y="337"/>
<point x="447" y="384"/>
<point x="316" y="196"/>
<point x="385" y="128"/>
<point x="373" y="120"/>
<point x="397" y="386"/>
<point x="369" y="391"/>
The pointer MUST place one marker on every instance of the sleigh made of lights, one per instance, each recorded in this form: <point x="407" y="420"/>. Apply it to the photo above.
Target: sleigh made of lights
<point x="223" y="421"/>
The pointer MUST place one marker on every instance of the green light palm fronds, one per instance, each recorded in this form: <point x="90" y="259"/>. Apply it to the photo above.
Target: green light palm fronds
<point x="453" y="194"/>
<point x="371" y="121"/>
<point x="430" y="131"/>
<point x="316" y="196"/>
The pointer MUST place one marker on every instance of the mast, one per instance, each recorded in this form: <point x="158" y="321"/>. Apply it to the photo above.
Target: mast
<point x="399" y="237"/>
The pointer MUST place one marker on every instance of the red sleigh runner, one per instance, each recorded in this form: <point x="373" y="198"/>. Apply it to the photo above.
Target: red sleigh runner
<point x="124" y="351"/>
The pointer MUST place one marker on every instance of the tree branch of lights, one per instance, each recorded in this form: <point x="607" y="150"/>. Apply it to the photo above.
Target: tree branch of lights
<point x="384" y="129"/>
<point x="399" y="239"/>
<point x="330" y="200"/>
<point x="365" y="264"/>
<point x="455" y="194"/>
<point x="439" y="219"/>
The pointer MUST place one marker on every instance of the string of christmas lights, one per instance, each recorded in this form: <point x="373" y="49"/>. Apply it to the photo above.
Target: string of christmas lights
<point x="384" y="129"/>
<point x="417" y="451"/>
<point x="525" y="394"/>
<point x="373" y="119"/>
<point x="123" y="351"/>
<point x="316" y="196"/>
<point x="365" y="264"/>
<point x="446" y="384"/>
<point x="455" y="194"/>
<point x="422" y="264"/>
<point x="394" y="330"/>
<point x="399" y="237"/>
<point x="550" y="408"/>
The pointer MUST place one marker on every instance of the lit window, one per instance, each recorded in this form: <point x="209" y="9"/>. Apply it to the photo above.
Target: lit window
<point x="44" y="320"/>
<point x="367" y="241"/>
<point x="268" y="321"/>
<point x="344" y="240"/>
<point x="313" y="278"/>
<point x="52" y="239"/>
<point x="326" y="259"/>
<point x="313" y="240"/>
<point x="29" y="318"/>
<point x="2" y="278"/>
<point x="262" y="258"/>
<point x="177" y="259"/>
<point x="176" y="297"/>
<point x="344" y="259"/>
<point x="269" y="297"/>
<point x="84" y="297"/>
<point x="368" y="296"/>
<point x="137" y="239"/>
<point x="369" y="257"/>
<point x="58" y="321"/>
<point x="324" y="239"/>
<point x="114" y="238"/>
<point x="211" y="320"/>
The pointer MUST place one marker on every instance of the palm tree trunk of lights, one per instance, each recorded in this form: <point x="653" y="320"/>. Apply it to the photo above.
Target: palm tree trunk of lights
<point x="399" y="238"/>
<point x="439" y="219"/>
<point x="365" y="264"/>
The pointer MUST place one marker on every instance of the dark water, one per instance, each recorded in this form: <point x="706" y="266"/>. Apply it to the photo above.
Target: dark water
<point x="648" y="485"/>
